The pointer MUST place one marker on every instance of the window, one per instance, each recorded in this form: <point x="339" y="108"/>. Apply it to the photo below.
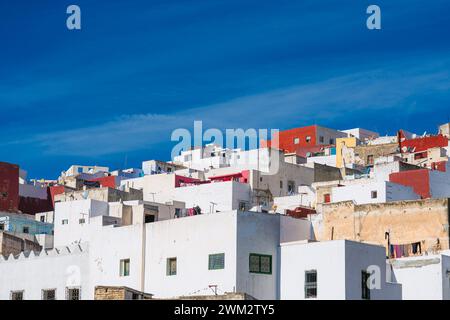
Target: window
<point x="216" y="261"/>
<point x="42" y="218"/>
<point x="281" y="184"/>
<point x="49" y="294"/>
<point x="365" y="291"/>
<point x="242" y="206"/>
<point x="171" y="266"/>
<point x="124" y="267"/>
<point x="80" y="169"/>
<point x="26" y="229"/>
<point x="260" y="179"/>
<point x="421" y="155"/>
<point x="310" y="284"/>
<point x="321" y="139"/>
<point x="149" y="218"/>
<point x="17" y="295"/>
<point x="308" y="139"/>
<point x="260" y="263"/>
<point x="73" y="293"/>
<point x="2" y="226"/>
<point x="373" y="194"/>
<point x="327" y="198"/>
<point x="296" y="140"/>
<point x="291" y="187"/>
<point x="370" y="159"/>
<point x="65" y="221"/>
<point x="81" y="221"/>
<point x="331" y="141"/>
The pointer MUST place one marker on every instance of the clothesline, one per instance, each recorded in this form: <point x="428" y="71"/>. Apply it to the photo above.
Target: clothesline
<point x="405" y="250"/>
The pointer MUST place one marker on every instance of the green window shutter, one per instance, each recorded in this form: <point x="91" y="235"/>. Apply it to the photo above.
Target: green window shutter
<point x="260" y="263"/>
<point x="216" y="261"/>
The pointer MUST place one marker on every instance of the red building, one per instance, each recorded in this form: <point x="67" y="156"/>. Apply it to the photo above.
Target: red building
<point x="419" y="180"/>
<point x="9" y="187"/>
<point x="421" y="144"/>
<point x="310" y="136"/>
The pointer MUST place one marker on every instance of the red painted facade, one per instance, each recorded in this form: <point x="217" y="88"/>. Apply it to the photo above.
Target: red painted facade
<point x="422" y="143"/>
<point x="9" y="187"/>
<point x="419" y="180"/>
<point x="109" y="181"/>
<point x="300" y="212"/>
<point x="440" y="166"/>
<point x="290" y="140"/>
<point x="55" y="190"/>
<point x="34" y="205"/>
<point x="242" y="177"/>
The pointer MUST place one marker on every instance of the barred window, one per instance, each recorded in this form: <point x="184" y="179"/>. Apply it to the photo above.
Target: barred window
<point x="49" y="294"/>
<point x="216" y="261"/>
<point x="310" y="284"/>
<point x="260" y="263"/>
<point x="73" y="293"/>
<point x="17" y="295"/>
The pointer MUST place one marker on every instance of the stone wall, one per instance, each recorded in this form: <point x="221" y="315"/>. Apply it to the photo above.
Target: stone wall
<point x="407" y="221"/>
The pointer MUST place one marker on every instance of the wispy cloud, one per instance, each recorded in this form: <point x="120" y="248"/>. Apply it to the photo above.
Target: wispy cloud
<point x="377" y="89"/>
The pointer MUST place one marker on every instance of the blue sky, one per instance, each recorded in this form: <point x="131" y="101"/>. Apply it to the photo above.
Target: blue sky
<point x="111" y="93"/>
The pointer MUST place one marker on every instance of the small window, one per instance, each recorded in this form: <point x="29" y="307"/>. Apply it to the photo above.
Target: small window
<point x="296" y="140"/>
<point x="370" y="159"/>
<point x="171" y="266"/>
<point x="17" y="295"/>
<point x="308" y="139"/>
<point x="73" y="293"/>
<point x="291" y="187"/>
<point x="365" y="290"/>
<point x="321" y="139"/>
<point x="242" y="206"/>
<point x="42" y="218"/>
<point x="260" y="263"/>
<point x="216" y="261"/>
<point x="2" y="226"/>
<point x="326" y="198"/>
<point x="149" y="218"/>
<point x="26" y="229"/>
<point x="260" y="179"/>
<point x="65" y="221"/>
<point x="281" y="184"/>
<point x="310" y="284"/>
<point x="124" y="267"/>
<point x="331" y="141"/>
<point x="82" y="221"/>
<point x="49" y="294"/>
<point x="374" y="194"/>
<point x="80" y="169"/>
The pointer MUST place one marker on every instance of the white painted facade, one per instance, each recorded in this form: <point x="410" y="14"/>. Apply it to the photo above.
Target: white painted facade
<point x="190" y="240"/>
<point x="423" y="277"/>
<point x="326" y="160"/>
<point x="339" y="265"/>
<point x="361" y="134"/>
<point x="373" y="192"/>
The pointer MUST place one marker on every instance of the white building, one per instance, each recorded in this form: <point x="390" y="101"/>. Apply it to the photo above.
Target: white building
<point x="372" y="191"/>
<point x="232" y="251"/>
<point x="334" y="270"/>
<point x="361" y="134"/>
<point x="423" y="277"/>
